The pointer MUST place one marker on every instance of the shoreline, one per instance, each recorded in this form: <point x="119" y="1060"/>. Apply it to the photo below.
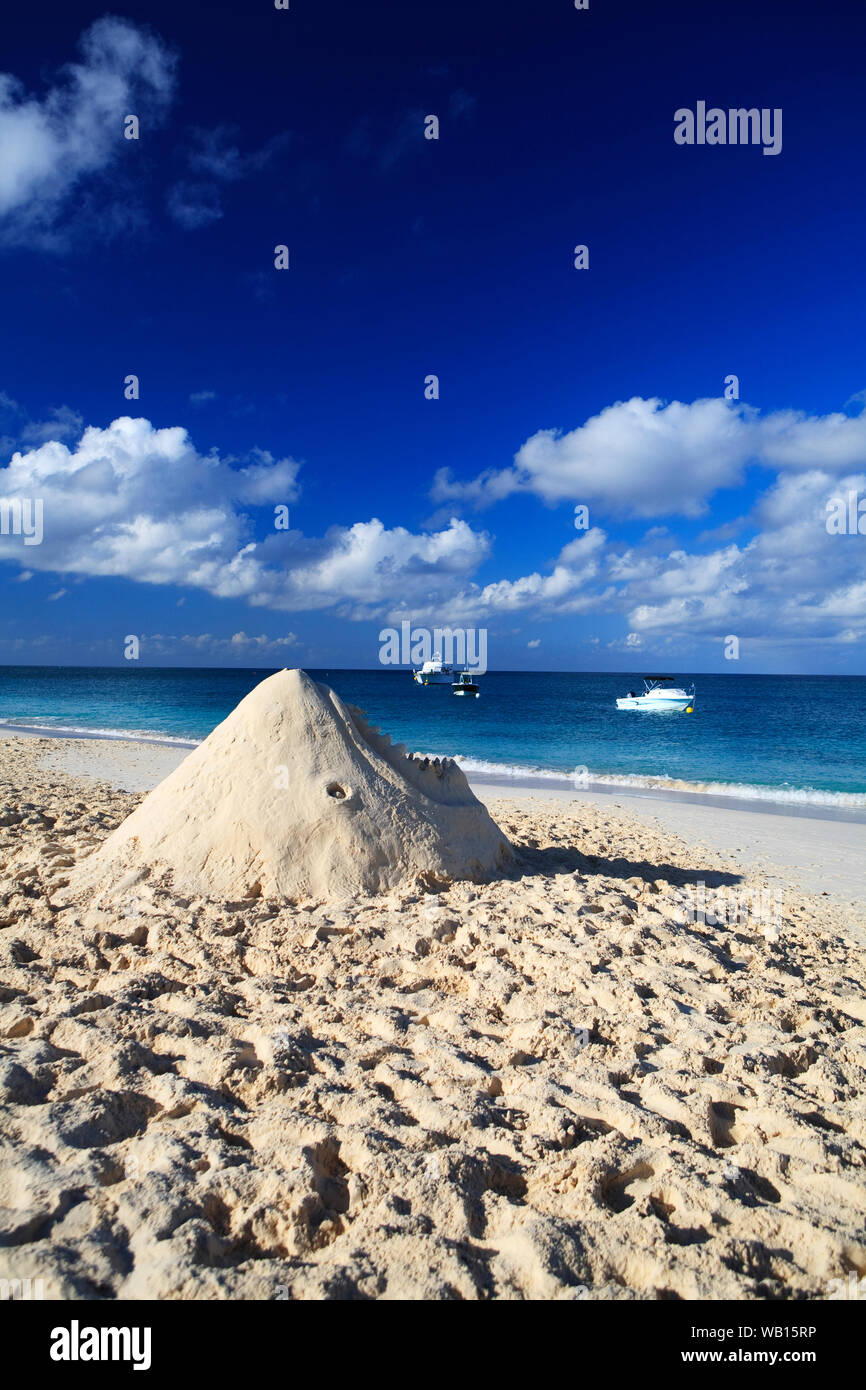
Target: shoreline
<point x="606" y="790"/>
<point x="823" y="850"/>
<point x="550" y="783"/>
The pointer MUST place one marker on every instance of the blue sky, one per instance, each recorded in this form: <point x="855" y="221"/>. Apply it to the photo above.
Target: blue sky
<point x="453" y="257"/>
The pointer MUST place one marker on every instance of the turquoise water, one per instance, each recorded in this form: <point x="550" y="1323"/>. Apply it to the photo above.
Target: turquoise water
<point x="790" y="738"/>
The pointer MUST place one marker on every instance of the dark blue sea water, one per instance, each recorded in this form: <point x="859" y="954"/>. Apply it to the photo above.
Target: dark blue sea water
<point x="796" y="739"/>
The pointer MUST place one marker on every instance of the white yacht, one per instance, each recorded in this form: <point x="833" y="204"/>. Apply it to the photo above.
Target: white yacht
<point x="659" y="693"/>
<point x="433" y="672"/>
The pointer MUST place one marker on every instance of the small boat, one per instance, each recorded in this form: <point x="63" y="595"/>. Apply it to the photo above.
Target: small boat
<point x="465" y="685"/>
<point x="659" y="693"/>
<point x="433" y="672"/>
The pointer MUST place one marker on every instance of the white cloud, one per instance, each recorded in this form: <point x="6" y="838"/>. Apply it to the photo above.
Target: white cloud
<point x="566" y="589"/>
<point x="793" y="580"/>
<point x="75" y="131"/>
<point x="536" y="642"/>
<point x="206" y="644"/>
<point x="791" y="583"/>
<point x="791" y="439"/>
<point x="370" y="568"/>
<point x="645" y="458"/>
<point x="268" y="480"/>
<point x="241" y="639"/>
<point x="141" y="503"/>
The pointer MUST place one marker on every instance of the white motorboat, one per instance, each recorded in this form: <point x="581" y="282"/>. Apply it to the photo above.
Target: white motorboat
<point x="433" y="672"/>
<point x="464" y="684"/>
<point x="659" y="693"/>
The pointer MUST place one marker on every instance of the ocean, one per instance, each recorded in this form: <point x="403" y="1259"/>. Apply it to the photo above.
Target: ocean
<point x="799" y="740"/>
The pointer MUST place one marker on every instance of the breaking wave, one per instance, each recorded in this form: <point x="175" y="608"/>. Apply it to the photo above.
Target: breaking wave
<point x="740" y="791"/>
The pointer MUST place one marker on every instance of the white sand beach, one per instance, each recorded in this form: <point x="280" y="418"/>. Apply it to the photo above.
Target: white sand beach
<point x="558" y="1083"/>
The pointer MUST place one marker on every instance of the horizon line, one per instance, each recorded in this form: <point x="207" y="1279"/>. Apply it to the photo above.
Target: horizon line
<point x="406" y="670"/>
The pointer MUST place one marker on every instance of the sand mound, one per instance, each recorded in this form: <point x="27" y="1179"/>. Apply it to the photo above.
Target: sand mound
<point x="295" y="796"/>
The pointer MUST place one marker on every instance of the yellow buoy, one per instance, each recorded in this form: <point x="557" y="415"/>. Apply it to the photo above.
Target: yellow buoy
<point x="690" y="709"/>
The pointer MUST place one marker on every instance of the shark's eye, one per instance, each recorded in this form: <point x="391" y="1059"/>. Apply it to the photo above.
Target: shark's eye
<point x="334" y="789"/>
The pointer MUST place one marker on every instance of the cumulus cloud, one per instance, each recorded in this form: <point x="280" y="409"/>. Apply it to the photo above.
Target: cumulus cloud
<point x="141" y="503"/>
<point x="74" y="132"/>
<point x="791" y="439"/>
<point x="564" y="588"/>
<point x="790" y="582"/>
<point x="646" y="458"/>
<point x="568" y="588"/>
<point x="793" y="580"/>
<point x="367" y="568"/>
